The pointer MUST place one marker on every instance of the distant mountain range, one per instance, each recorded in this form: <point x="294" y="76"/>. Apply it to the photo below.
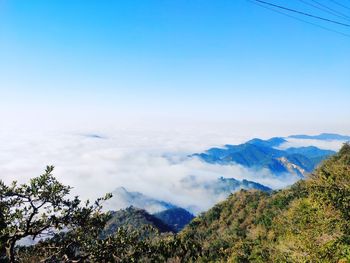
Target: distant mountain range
<point x="259" y="154"/>
<point x="222" y="186"/>
<point x="323" y="137"/>
<point x="297" y="224"/>
<point x="122" y="198"/>
<point x="138" y="209"/>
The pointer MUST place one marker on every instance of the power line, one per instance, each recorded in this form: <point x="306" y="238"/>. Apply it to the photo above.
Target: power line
<point x="322" y="9"/>
<point x="339" y="4"/>
<point x="299" y="19"/>
<point x="302" y="13"/>
<point x="331" y="9"/>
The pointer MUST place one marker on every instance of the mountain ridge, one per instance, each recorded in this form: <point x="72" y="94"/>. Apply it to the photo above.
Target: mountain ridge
<point x="322" y="136"/>
<point x="122" y="198"/>
<point x="133" y="218"/>
<point x="177" y="218"/>
<point x="307" y="222"/>
<point x="258" y="154"/>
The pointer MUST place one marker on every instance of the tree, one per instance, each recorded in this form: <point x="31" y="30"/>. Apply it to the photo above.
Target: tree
<point x="42" y="209"/>
<point x="70" y="231"/>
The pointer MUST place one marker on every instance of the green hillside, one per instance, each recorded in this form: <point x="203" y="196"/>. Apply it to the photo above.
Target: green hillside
<point x="309" y="222"/>
<point x="133" y="219"/>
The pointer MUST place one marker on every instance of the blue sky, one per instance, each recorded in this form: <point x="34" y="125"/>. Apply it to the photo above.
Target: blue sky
<point x="184" y="60"/>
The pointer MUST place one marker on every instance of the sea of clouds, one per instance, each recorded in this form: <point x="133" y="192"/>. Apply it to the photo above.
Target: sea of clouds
<point x="154" y="163"/>
<point x="334" y="145"/>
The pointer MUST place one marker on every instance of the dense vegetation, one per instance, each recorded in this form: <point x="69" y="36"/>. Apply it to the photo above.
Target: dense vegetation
<point x="133" y="219"/>
<point x="72" y="231"/>
<point x="308" y="222"/>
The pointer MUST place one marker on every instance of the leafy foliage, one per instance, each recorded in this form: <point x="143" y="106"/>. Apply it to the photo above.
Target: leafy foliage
<point x="72" y="231"/>
<point x="309" y="222"/>
<point x="41" y="209"/>
<point x="133" y="219"/>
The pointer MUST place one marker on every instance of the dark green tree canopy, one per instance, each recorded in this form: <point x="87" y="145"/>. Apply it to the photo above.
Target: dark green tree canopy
<point x="42" y="209"/>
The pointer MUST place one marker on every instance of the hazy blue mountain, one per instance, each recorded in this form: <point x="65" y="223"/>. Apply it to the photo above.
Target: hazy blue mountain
<point x="231" y="185"/>
<point x="122" y="198"/>
<point x="273" y="142"/>
<point x="93" y="136"/>
<point x="177" y="218"/>
<point x="140" y="210"/>
<point x="253" y="185"/>
<point x="309" y="151"/>
<point x="322" y="136"/>
<point x="216" y="188"/>
<point x="222" y="186"/>
<point x="258" y="154"/>
<point x="246" y="154"/>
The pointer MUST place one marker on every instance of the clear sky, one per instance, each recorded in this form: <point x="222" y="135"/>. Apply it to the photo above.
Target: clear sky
<point x="228" y="61"/>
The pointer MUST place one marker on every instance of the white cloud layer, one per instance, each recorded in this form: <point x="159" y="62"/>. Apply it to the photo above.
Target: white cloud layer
<point x="153" y="163"/>
<point x="334" y="145"/>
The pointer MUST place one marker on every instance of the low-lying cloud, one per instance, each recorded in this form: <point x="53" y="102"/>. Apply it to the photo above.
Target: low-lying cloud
<point x="155" y="164"/>
<point x="334" y="145"/>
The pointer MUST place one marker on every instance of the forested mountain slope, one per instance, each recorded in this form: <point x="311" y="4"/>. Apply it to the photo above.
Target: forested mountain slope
<point x="177" y="218"/>
<point x="133" y="218"/>
<point x="308" y="222"/>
